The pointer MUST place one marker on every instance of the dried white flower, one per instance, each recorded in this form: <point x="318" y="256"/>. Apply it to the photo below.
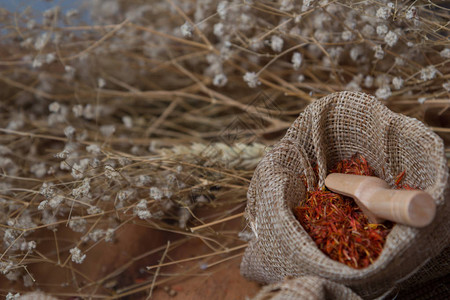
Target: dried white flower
<point x="28" y="246"/>
<point x="37" y="62"/>
<point x="353" y="86"/>
<point x="16" y="123"/>
<point x="347" y="35"/>
<point x="93" y="210"/>
<point x="49" y="219"/>
<point x="141" y="210"/>
<point x="101" y="82"/>
<point x="111" y="173"/>
<point x="13" y="275"/>
<point x="446" y="86"/>
<point x="123" y="195"/>
<point x="127" y="121"/>
<point x="428" y="73"/>
<point x="89" y="112"/>
<point x="5" y="267"/>
<point x="4" y="150"/>
<point x="391" y="38"/>
<point x="356" y="53"/>
<point x="306" y="5"/>
<point x="47" y="190"/>
<point x="383" y="13"/>
<point x="143" y="180"/>
<point x="397" y="82"/>
<point x="167" y="192"/>
<point x="256" y="44"/>
<point x="76" y="255"/>
<point x="382" y="30"/>
<point x="12" y="296"/>
<point x="109" y="235"/>
<point x="219" y="29"/>
<point x="31" y="245"/>
<point x="93" y="149"/>
<point x="379" y="53"/>
<point x="410" y="13"/>
<point x="252" y="79"/>
<point x="220" y="80"/>
<point x="38" y="170"/>
<point x="156" y="193"/>
<point x="83" y="189"/>
<point x="201" y="199"/>
<point x="49" y="58"/>
<point x="72" y="13"/>
<point x="31" y="24"/>
<point x="222" y="8"/>
<point x="27" y="281"/>
<point x="51" y="12"/>
<point x="69" y="131"/>
<point x="296" y="60"/>
<point x="183" y="216"/>
<point x="276" y="43"/>
<point x="41" y="41"/>
<point x="78" y="169"/>
<point x="383" y="92"/>
<point x="77" y="110"/>
<point x="43" y="205"/>
<point x="368" y="30"/>
<point x="286" y="5"/>
<point x="107" y="130"/>
<point x="70" y="72"/>
<point x="56" y="201"/>
<point x="368" y="81"/>
<point x="54" y="107"/>
<point x="186" y="29"/>
<point x="445" y="53"/>
<point x="96" y="235"/>
<point x="77" y="225"/>
<point x="399" y="61"/>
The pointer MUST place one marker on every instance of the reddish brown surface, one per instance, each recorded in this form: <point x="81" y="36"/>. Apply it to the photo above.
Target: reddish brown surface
<point x="222" y="281"/>
<point x="219" y="282"/>
<point x="100" y="261"/>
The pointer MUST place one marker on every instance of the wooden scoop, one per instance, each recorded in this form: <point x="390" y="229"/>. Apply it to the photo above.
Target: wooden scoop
<point x="379" y="202"/>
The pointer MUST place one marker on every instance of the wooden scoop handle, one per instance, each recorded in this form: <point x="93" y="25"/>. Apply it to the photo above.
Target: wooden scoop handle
<point x="379" y="202"/>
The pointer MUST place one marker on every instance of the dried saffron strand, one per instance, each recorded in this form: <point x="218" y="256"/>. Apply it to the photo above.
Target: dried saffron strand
<point x="338" y="226"/>
<point x="356" y="165"/>
<point x="403" y="186"/>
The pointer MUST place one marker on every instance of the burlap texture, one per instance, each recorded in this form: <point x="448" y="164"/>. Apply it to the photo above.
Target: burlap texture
<point x="306" y="287"/>
<point x="329" y="130"/>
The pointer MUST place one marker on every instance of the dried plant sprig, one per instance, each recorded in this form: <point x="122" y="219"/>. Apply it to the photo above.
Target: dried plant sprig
<point x="234" y="156"/>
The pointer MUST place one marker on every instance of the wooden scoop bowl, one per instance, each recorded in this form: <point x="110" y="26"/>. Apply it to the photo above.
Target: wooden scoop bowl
<point x="379" y="202"/>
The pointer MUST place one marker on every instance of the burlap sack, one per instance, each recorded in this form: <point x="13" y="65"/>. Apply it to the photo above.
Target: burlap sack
<point x="305" y="287"/>
<point x="329" y="130"/>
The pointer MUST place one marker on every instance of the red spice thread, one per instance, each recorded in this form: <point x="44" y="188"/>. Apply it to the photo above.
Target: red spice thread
<point x="338" y="226"/>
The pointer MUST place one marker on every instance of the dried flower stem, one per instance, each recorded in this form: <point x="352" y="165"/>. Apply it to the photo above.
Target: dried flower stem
<point x="198" y="257"/>
<point x="217" y="222"/>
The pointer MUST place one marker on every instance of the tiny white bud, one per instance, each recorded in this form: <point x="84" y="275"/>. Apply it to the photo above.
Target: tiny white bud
<point x="76" y="255"/>
<point x="297" y="60"/>
<point x="54" y="107"/>
<point x="252" y="79"/>
<point x="186" y="29"/>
